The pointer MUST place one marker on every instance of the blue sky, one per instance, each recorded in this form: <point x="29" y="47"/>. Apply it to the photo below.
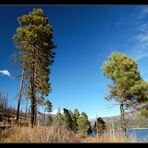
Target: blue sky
<point x="85" y="37"/>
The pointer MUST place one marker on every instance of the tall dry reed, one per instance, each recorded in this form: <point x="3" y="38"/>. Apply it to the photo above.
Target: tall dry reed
<point x="39" y="134"/>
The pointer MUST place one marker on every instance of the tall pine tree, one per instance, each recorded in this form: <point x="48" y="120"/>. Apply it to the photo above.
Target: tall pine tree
<point x="33" y="39"/>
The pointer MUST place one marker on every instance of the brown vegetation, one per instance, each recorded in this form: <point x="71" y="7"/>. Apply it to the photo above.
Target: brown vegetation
<point x="54" y="134"/>
<point x="111" y="137"/>
<point x="40" y="134"/>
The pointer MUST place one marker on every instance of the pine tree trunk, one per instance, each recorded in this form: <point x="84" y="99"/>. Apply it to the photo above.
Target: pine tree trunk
<point x="35" y="116"/>
<point x="123" y="123"/>
<point x="20" y="96"/>
<point x="33" y="94"/>
<point x="33" y="105"/>
<point x="44" y="118"/>
<point x="33" y="100"/>
<point x="26" y="108"/>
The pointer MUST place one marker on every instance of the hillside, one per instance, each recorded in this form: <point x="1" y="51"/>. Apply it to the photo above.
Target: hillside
<point x="132" y="120"/>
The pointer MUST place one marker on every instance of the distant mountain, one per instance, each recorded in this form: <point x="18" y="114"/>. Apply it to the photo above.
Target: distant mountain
<point x="43" y="117"/>
<point x="132" y="120"/>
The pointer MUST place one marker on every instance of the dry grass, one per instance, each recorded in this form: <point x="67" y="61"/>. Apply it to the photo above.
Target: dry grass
<point x="53" y="134"/>
<point x="38" y="135"/>
<point x="111" y="137"/>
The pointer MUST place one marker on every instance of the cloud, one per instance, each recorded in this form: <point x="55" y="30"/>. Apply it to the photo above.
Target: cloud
<point x="140" y="25"/>
<point x="142" y="38"/>
<point x="5" y="72"/>
<point x="144" y="11"/>
<point x="142" y="56"/>
<point x="56" y="111"/>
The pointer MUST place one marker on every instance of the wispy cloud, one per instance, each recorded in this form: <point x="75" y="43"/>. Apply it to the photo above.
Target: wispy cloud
<point x="140" y="25"/>
<point x="142" y="38"/>
<point x="144" y="11"/>
<point x="138" y="53"/>
<point x="139" y="57"/>
<point x="5" y="72"/>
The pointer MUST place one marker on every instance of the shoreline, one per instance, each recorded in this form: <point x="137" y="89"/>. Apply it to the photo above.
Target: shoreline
<point x="136" y="128"/>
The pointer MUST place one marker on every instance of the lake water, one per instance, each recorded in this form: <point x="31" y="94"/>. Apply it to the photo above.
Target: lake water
<point x="140" y="134"/>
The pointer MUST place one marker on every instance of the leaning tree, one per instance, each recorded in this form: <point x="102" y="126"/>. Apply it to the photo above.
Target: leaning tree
<point x="127" y="87"/>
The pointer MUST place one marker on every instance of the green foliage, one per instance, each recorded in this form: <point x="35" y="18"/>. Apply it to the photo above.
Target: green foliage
<point x="34" y="42"/>
<point x="140" y="91"/>
<point x="48" y="105"/>
<point x="144" y="113"/>
<point x="49" y="122"/>
<point x="83" y="124"/>
<point x="126" y="80"/>
<point x="67" y="119"/>
<point x="83" y="114"/>
<point x="74" y="120"/>
<point x="76" y="112"/>
<point x="124" y="73"/>
<point x="90" y="128"/>
<point x="59" y="119"/>
<point x="127" y="87"/>
<point x="76" y="115"/>
<point x="99" y="125"/>
<point x="28" y="92"/>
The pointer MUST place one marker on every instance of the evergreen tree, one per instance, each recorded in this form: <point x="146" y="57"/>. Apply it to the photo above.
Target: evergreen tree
<point x="48" y="105"/>
<point x="76" y="115"/>
<point x="83" y="124"/>
<point x="67" y="119"/>
<point x="99" y="125"/>
<point x="59" y="119"/>
<point x="50" y="120"/>
<point x="74" y="121"/>
<point x="127" y="86"/>
<point x="144" y="110"/>
<point x="48" y="109"/>
<point x="33" y="39"/>
<point x="90" y="128"/>
<point x="76" y="112"/>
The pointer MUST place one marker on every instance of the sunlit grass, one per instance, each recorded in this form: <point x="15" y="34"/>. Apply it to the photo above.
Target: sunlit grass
<point x="111" y="137"/>
<point x="54" y="134"/>
<point x="39" y="134"/>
